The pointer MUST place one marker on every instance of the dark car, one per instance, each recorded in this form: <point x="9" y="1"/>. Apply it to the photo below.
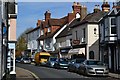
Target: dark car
<point x="51" y="61"/>
<point x="25" y="60"/>
<point x="61" y="63"/>
<point x="18" y="60"/>
<point x="74" y="64"/>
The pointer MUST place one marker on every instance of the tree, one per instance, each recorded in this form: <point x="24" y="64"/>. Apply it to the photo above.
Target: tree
<point x="22" y="42"/>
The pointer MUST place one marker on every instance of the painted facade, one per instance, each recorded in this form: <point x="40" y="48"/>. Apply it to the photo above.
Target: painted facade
<point x="109" y="39"/>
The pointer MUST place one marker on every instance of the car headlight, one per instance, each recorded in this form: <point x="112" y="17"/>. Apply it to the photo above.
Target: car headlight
<point x="89" y="68"/>
<point x="52" y="63"/>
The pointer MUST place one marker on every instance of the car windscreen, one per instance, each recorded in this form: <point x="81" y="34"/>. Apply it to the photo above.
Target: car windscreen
<point x="79" y="60"/>
<point x="62" y="60"/>
<point x="44" y="57"/>
<point x="94" y="63"/>
<point x="53" y="59"/>
<point x="26" y="59"/>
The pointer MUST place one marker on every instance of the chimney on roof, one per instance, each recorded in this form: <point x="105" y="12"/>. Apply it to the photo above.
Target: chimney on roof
<point x="38" y="23"/>
<point x="97" y="9"/>
<point x="116" y="4"/>
<point x="83" y="12"/>
<point x="47" y="15"/>
<point x="76" y="7"/>
<point x="105" y="6"/>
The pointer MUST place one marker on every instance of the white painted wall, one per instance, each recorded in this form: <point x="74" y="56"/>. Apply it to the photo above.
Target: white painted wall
<point x="91" y="39"/>
<point x="32" y="37"/>
<point x="63" y="41"/>
<point x="79" y="30"/>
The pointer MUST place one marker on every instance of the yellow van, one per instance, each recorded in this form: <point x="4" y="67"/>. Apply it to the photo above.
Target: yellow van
<point x="41" y="58"/>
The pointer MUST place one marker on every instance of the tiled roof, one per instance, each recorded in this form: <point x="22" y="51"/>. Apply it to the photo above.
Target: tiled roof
<point x="67" y="31"/>
<point x="58" y="22"/>
<point x="94" y="17"/>
<point x="118" y="13"/>
<point x="49" y="35"/>
<point x="32" y="30"/>
<point x="54" y="22"/>
<point x="90" y="18"/>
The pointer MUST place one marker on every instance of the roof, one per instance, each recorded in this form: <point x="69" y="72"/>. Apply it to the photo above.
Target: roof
<point x="57" y="22"/>
<point x="66" y="31"/>
<point x="90" y="18"/>
<point x="118" y="13"/>
<point x="50" y="35"/>
<point x="94" y="17"/>
<point x="33" y="30"/>
<point x="54" y="22"/>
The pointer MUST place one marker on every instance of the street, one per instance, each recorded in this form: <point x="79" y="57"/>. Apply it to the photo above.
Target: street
<point x="51" y="73"/>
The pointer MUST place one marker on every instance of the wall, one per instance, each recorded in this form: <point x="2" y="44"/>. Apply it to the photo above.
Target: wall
<point x="12" y="30"/>
<point x="79" y="30"/>
<point x="32" y="42"/>
<point x="118" y="26"/>
<point x="93" y="40"/>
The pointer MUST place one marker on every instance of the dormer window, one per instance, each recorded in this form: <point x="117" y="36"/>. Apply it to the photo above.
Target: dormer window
<point x="113" y="25"/>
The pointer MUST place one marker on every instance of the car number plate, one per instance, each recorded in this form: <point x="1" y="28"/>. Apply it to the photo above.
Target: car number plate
<point x="99" y="71"/>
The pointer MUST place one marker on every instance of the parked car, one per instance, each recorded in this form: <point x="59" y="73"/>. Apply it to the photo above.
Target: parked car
<point x="25" y="60"/>
<point x="51" y="61"/>
<point x="18" y="60"/>
<point x="61" y="63"/>
<point x="93" y="67"/>
<point x="74" y="64"/>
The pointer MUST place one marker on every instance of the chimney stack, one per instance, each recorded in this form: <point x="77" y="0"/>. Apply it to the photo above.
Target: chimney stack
<point x="83" y="12"/>
<point x="47" y="15"/>
<point x="76" y="7"/>
<point x="38" y="23"/>
<point x="97" y="9"/>
<point x="105" y="6"/>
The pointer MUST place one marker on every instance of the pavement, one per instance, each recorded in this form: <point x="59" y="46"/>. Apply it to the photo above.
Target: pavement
<point x="23" y="74"/>
<point x="114" y="75"/>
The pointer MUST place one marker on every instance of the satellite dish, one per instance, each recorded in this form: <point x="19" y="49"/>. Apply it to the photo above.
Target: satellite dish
<point x="77" y="15"/>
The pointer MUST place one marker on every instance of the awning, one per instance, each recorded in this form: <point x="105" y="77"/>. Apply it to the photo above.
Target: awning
<point x="77" y="51"/>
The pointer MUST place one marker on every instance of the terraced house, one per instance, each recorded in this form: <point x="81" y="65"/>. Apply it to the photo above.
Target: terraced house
<point x="110" y="38"/>
<point x="83" y="34"/>
<point x="8" y="15"/>
<point x="32" y="44"/>
<point x="51" y="28"/>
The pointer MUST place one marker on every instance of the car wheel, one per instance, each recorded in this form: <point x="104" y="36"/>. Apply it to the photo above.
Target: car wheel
<point x="68" y="69"/>
<point x="85" y="71"/>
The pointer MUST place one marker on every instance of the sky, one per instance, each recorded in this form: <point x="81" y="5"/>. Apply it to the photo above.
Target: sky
<point x="30" y="12"/>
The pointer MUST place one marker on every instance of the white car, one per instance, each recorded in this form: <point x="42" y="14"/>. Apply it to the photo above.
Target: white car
<point x="93" y="67"/>
<point x="25" y="60"/>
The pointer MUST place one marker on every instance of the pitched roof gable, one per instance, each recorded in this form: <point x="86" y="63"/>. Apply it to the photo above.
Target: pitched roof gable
<point x="90" y="18"/>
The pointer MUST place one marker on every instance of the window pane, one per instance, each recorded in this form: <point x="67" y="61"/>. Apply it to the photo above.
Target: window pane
<point x="113" y="22"/>
<point x="113" y="30"/>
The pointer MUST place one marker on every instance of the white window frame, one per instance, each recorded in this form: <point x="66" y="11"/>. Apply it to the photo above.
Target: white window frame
<point x="112" y="26"/>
